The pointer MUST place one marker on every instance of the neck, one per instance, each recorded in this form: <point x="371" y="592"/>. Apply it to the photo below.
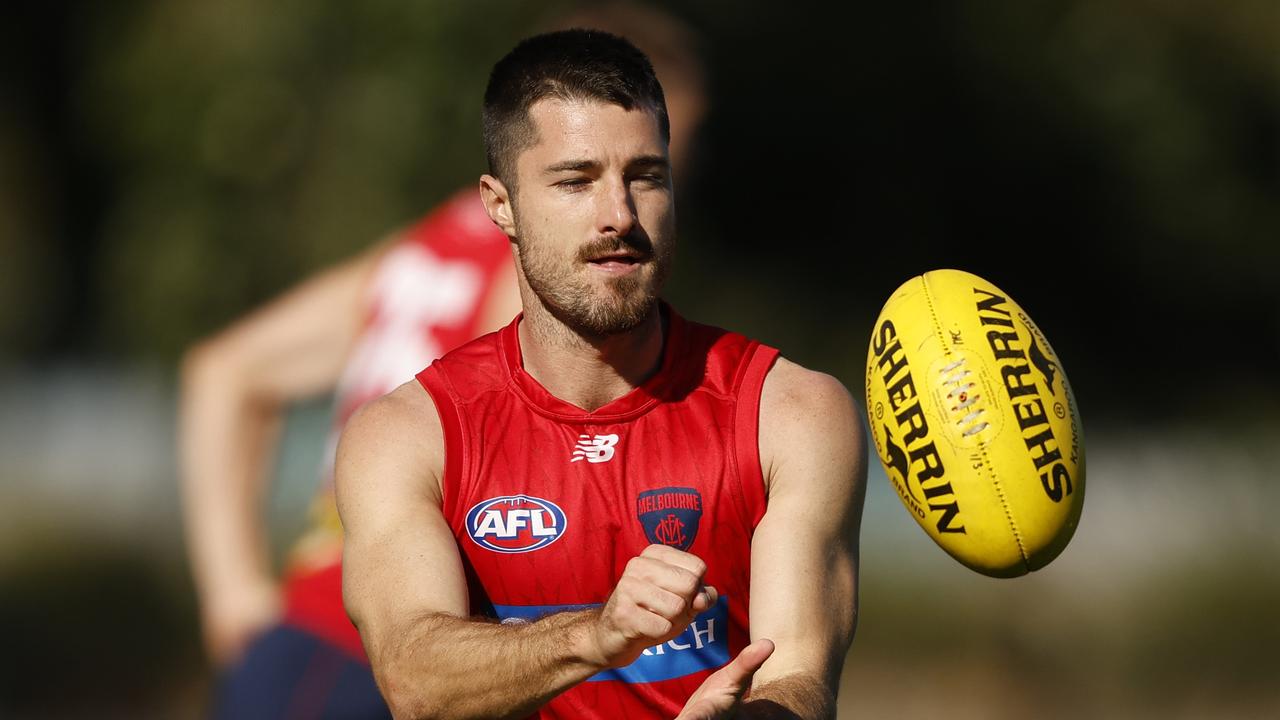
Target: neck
<point x="588" y="371"/>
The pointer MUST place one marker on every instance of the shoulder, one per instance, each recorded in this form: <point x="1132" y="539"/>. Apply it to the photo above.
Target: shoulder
<point x="807" y="418"/>
<point x="797" y="397"/>
<point x="406" y="409"/>
<point x="397" y="435"/>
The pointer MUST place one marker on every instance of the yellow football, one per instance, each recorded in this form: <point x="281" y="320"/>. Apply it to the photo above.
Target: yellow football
<point x="975" y="423"/>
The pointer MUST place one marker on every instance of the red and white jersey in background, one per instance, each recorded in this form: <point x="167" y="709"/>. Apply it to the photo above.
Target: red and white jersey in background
<point x="548" y="502"/>
<point x="426" y="297"/>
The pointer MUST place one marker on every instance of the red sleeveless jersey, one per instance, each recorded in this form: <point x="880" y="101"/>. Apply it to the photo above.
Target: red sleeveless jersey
<point x="548" y="502"/>
<point x="425" y="298"/>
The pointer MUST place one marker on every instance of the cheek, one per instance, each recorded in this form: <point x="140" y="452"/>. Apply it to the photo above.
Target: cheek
<point x="538" y="247"/>
<point x="658" y="216"/>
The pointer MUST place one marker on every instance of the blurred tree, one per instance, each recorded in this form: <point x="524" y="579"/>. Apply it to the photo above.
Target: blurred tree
<point x="1113" y="165"/>
<point x="254" y="143"/>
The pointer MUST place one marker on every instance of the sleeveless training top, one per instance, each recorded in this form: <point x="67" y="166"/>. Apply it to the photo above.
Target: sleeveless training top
<point x="548" y="502"/>
<point x="425" y="298"/>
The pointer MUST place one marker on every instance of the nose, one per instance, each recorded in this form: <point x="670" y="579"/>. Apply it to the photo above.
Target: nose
<point x="615" y="210"/>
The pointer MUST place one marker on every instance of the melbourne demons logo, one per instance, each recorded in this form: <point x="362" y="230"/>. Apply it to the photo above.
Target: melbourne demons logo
<point x="515" y="523"/>
<point x="670" y="515"/>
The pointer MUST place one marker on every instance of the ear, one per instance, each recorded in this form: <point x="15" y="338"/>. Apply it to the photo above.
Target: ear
<point x="497" y="202"/>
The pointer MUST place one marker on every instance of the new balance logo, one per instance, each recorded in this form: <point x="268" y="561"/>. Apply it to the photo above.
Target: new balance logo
<point x="595" y="448"/>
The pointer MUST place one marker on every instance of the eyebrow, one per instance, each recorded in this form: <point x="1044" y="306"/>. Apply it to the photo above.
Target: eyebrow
<point x="581" y="165"/>
<point x="648" y="161"/>
<point x="570" y="166"/>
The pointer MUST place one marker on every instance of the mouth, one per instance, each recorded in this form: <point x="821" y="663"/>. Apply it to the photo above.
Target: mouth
<point x="619" y="262"/>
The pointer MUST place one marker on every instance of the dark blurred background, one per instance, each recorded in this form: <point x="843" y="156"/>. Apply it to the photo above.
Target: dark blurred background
<point x="1113" y="165"/>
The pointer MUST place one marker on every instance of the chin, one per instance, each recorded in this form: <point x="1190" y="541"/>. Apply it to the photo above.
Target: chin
<point x="614" y="318"/>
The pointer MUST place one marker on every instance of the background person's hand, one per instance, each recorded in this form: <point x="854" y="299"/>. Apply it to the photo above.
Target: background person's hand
<point x="233" y="616"/>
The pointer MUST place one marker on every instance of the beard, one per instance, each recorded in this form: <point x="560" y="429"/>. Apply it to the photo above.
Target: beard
<point x="583" y="300"/>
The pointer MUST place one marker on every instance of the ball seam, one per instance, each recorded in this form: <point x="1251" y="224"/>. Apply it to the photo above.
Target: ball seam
<point x="982" y="444"/>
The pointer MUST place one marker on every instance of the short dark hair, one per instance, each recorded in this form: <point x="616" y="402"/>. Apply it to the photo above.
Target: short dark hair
<point x="573" y="64"/>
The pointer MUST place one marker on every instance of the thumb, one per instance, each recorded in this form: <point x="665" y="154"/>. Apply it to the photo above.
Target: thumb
<point x="720" y="693"/>
<point x="705" y="599"/>
<point x="738" y="673"/>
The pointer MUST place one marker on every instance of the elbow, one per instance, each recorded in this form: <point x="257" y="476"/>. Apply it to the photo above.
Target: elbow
<point x="410" y="693"/>
<point x="209" y="361"/>
<point x="419" y="696"/>
<point x="406" y="705"/>
<point x="221" y="366"/>
<point x="420" y="681"/>
<point x="411" y="698"/>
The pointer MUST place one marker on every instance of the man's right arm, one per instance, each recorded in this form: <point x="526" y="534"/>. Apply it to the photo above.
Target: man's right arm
<point x="405" y="589"/>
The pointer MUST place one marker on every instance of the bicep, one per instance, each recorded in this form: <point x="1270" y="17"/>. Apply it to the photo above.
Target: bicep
<point x="804" y="552"/>
<point x="400" y="560"/>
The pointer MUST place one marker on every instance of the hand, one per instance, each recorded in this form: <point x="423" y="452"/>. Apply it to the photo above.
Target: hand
<point x="235" y="616"/>
<point x="720" y="694"/>
<point x="656" y="598"/>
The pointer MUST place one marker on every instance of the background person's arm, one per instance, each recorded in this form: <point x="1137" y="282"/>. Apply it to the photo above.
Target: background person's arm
<point x="235" y="386"/>
<point x="804" y="555"/>
<point x="405" y="589"/>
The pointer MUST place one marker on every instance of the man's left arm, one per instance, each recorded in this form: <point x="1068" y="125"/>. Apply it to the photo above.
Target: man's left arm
<point x="804" y="554"/>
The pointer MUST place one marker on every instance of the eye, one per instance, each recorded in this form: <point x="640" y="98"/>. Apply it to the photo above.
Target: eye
<point x="573" y="184"/>
<point x="652" y="178"/>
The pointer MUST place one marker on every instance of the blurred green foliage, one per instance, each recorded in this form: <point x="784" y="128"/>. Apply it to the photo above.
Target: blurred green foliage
<point x="168" y="165"/>
<point x="257" y="142"/>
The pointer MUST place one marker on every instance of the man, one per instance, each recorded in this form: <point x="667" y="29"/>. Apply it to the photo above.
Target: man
<point x="359" y="330"/>
<point x="639" y="499"/>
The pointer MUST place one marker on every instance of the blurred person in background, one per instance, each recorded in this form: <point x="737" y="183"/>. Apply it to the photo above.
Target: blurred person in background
<point x="358" y="330"/>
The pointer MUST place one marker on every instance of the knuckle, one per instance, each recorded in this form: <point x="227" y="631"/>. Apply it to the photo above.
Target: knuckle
<point x="627" y="590"/>
<point x="627" y="620"/>
<point x="641" y="568"/>
<point x="665" y="603"/>
<point x="684" y="583"/>
<point x="679" y="606"/>
<point x="691" y="589"/>
<point x="634" y="623"/>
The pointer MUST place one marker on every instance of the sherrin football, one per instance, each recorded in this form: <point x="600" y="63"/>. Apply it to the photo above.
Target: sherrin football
<point x="975" y="423"/>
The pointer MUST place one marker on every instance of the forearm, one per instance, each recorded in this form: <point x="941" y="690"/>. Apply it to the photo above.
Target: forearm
<point x="226" y="439"/>
<point x="449" y="667"/>
<point x="796" y="696"/>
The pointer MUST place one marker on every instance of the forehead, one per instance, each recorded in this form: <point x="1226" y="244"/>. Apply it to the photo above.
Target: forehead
<point x="589" y="130"/>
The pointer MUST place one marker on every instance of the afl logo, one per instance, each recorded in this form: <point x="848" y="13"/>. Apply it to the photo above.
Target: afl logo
<point x="515" y="523"/>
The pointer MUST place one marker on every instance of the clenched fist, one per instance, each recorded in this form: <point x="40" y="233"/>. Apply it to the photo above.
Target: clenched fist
<point x="657" y="597"/>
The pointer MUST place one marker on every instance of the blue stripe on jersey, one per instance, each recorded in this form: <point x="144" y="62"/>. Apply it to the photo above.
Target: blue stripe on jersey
<point x="704" y="645"/>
